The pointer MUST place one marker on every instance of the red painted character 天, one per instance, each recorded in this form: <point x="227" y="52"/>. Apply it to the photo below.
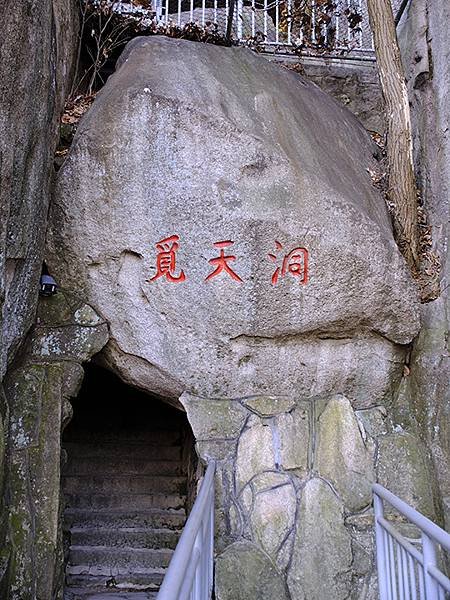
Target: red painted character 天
<point x="221" y="262"/>
<point x="295" y="263"/>
<point x="166" y="260"/>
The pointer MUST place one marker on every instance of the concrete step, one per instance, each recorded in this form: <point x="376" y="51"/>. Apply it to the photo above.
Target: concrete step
<point x="126" y="501"/>
<point x="83" y="594"/>
<point x="122" y="451"/>
<point x="153" y="518"/>
<point x="129" y="465"/>
<point x="125" y="537"/>
<point x="131" y="484"/>
<point x="149" y="581"/>
<point x="85" y="577"/>
<point x="130" y="558"/>
<point x="165" y="437"/>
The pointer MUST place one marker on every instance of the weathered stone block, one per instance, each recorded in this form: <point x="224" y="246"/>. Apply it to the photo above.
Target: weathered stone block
<point x="216" y="450"/>
<point x="243" y="572"/>
<point x="322" y="556"/>
<point x="214" y="419"/>
<point x="342" y="456"/>
<point x="374" y="420"/>
<point x="405" y="468"/>
<point x="35" y="481"/>
<point x="255" y="452"/>
<point x="293" y="435"/>
<point x="268" y="406"/>
<point x="72" y="342"/>
<point x="272" y="516"/>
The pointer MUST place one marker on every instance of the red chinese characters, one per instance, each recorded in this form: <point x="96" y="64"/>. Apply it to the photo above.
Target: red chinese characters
<point x="295" y="263"/>
<point x="221" y="262"/>
<point x="166" y="260"/>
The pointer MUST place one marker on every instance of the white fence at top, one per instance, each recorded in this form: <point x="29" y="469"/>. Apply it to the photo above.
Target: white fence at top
<point x="275" y="25"/>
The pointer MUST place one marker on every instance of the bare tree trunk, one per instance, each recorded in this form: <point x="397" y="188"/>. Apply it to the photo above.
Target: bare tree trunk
<point x="402" y="191"/>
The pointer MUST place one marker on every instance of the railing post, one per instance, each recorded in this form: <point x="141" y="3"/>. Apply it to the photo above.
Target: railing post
<point x="239" y="18"/>
<point x="157" y="8"/>
<point x="429" y="560"/>
<point x="381" y="548"/>
<point x="211" y="543"/>
<point x="187" y="575"/>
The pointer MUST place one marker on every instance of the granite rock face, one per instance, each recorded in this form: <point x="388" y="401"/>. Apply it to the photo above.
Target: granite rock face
<point x="423" y="37"/>
<point x="342" y="456"/>
<point x="37" y="51"/>
<point x="36" y="56"/>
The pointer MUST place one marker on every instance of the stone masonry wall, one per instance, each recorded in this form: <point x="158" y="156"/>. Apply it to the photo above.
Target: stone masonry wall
<point x="294" y="477"/>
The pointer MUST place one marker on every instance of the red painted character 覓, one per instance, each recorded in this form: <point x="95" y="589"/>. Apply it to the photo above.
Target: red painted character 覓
<point x="166" y="260"/>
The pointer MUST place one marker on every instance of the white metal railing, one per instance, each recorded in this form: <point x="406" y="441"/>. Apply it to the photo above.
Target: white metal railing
<point x="409" y="569"/>
<point x="190" y="572"/>
<point x="272" y="25"/>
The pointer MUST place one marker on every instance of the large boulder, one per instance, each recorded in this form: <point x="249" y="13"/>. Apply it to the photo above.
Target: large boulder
<point x="212" y="145"/>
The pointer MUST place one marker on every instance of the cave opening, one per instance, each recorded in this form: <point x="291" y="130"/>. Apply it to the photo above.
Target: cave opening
<point x="128" y="482"/>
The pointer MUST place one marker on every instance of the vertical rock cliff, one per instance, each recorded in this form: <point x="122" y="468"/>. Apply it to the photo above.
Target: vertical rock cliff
<point x="423" y="33"/>
<point x="37" y="49"/>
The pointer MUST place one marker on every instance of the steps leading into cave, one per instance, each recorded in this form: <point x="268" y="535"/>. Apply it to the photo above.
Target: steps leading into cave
<point x="155" y="518"/>
<point x="82" y="594"/>
<point x="125" y="500"/>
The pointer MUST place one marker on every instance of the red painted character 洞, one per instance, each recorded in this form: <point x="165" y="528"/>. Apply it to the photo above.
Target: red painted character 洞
<point x="221" y="262"/>
<point x="166" y="260"/>
<point x="295" y="263"/>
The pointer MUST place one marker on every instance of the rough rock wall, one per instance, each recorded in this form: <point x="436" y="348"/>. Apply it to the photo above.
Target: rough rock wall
<point x="423" y="34"/>
<point x="37" y="49"/>
<point x="355" y="84"/>
<point x="290" y="366"/>
<point x="67" y="333"/>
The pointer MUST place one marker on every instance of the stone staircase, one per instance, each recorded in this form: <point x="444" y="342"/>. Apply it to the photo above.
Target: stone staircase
<point x="125" y="497"/>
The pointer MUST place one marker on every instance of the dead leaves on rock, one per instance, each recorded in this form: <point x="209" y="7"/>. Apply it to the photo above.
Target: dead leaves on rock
<point x="74" y="109"/>
<point x="427" y="277"/>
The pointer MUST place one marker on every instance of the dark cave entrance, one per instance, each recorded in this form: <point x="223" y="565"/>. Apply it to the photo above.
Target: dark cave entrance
<point x="128" y="483"/>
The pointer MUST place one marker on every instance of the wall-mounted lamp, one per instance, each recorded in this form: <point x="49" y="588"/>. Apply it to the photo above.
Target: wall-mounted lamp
<point x="47" y="285"/>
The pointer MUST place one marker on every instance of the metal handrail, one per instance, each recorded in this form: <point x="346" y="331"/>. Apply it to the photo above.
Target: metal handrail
<point x="270" y="25"/>
<point x="190" y="572"/>
<point x="405" y="572"/>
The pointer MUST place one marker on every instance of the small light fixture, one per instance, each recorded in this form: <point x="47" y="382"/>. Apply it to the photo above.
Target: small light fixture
<point x="47" y="285"/>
